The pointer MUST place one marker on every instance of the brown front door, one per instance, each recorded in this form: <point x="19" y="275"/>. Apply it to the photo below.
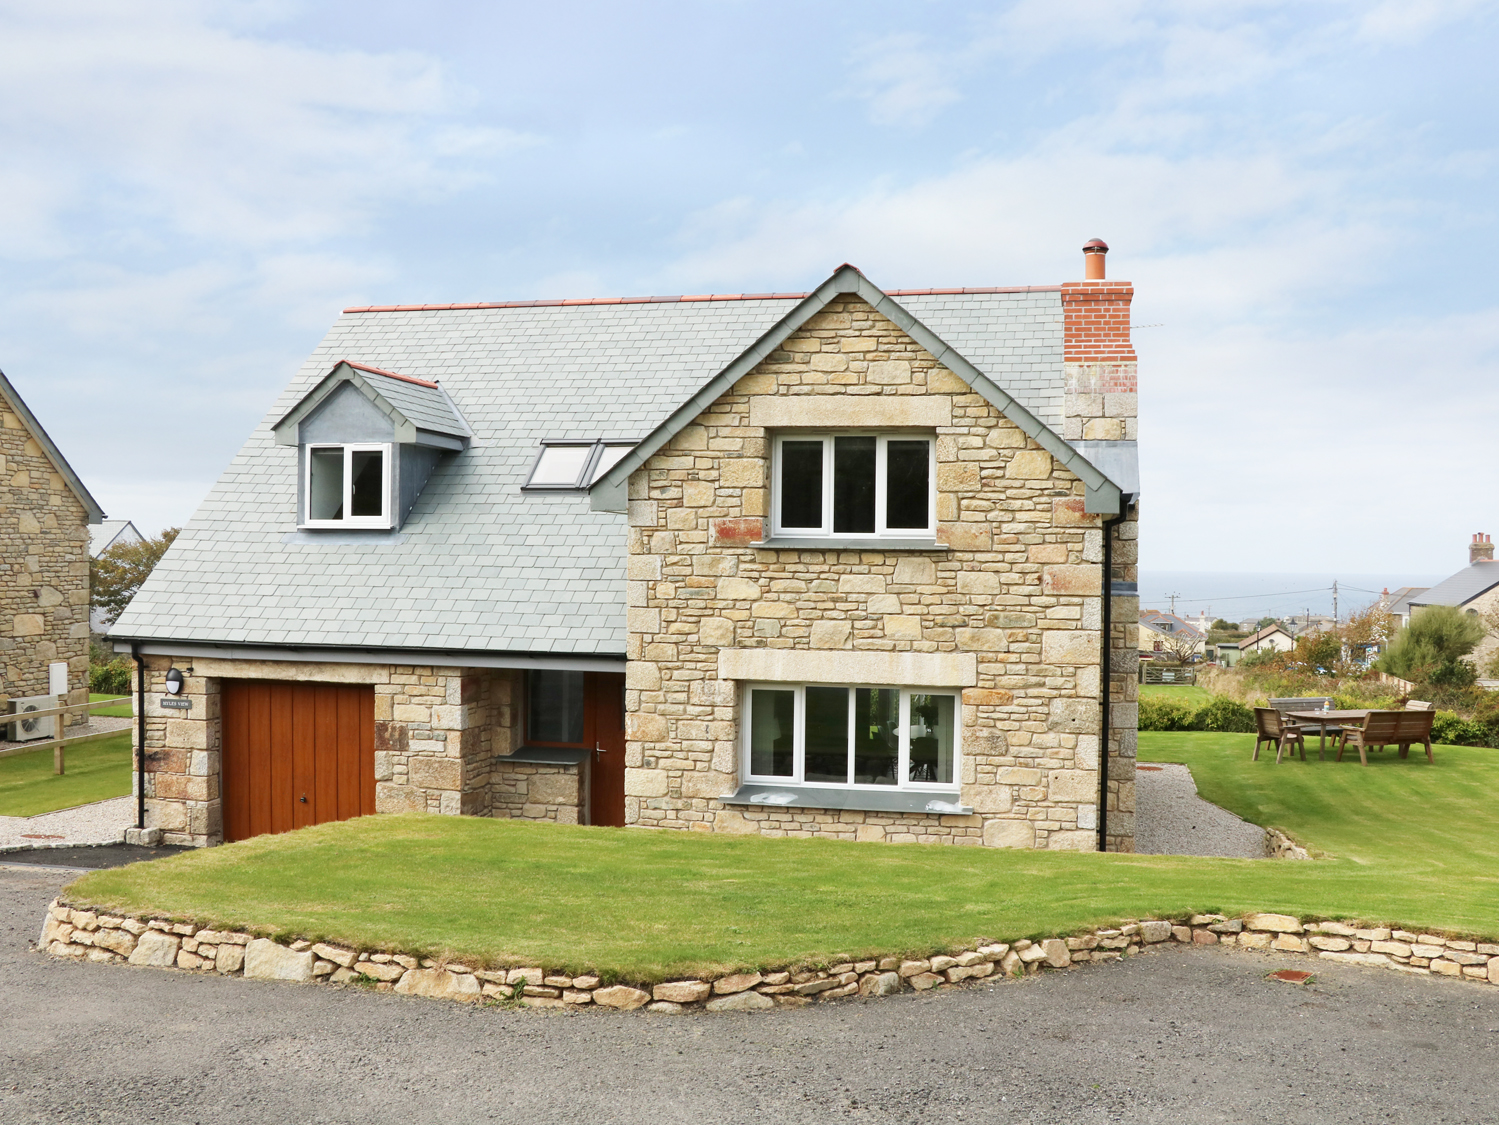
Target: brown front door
<point x="295" y="754"/>
<point x="606" y="786"/>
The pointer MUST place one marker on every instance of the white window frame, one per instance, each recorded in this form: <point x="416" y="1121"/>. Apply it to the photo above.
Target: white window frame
<point x="381" y="521"/>
<point x="881" y="472"/>
<point x="903" y="761"/>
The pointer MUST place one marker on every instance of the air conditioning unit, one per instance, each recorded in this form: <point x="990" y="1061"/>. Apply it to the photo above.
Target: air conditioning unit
<point x="28" y="730"/>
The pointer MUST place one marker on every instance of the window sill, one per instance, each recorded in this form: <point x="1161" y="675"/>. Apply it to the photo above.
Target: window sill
<point x="546" y="756"/>
<point x="761" y="794"/>
<point x="837" y="543"/>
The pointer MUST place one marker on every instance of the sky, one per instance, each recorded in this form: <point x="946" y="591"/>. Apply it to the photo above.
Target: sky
<point x="1303" y="193"/>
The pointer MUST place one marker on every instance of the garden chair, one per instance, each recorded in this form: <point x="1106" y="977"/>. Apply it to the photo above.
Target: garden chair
<point x="1419" y="705"/>
<point x="1391" y="728"/>
<point x="1271" y="726"/>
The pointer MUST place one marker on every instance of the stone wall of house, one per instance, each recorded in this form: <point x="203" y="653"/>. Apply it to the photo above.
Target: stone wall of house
<point x="44" y="580"/>
<point x="1019" y="586"/>
<point x="1487" y="606"/>
<point x="441" y="736"/>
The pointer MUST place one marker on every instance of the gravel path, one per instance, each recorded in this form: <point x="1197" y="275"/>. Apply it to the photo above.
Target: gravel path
<point x="103" y="822"/>
<point x="97" y="724"/>
<point x="1171" y="819"/>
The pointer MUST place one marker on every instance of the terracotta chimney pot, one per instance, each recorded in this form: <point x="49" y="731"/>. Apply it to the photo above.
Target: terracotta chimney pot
<point x="1093" y="255"/>
<point x="1481" y="549"/>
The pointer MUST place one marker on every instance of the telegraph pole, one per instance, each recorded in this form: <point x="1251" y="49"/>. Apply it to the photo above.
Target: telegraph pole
<point x="1335" y="603"/>
<point x="1173" y="598"/>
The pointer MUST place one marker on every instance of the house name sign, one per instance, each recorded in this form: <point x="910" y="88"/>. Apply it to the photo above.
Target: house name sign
<point x="174" y="704"/>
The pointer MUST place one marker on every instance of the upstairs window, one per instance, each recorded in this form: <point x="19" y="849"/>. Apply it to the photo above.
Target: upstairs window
<point x="347" y="486"/>
<point x="822" y="734"/>
<point x="570" y="466"/>
<point x="853" y="484"/>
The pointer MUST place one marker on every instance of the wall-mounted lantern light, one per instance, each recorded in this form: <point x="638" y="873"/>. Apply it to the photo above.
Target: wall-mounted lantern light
<point x="174" y="682"/>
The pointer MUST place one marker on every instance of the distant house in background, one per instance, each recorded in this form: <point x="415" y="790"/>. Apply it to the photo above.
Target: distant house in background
<point x="1272" y="638"/>
<point x="109" y="533"/>
<point x="1398" y="602"/>
<point x="1474" y="590"/>
<point x="45" y="514"/>
<point x="1225" y="653"/>
<point x="1162" y="636"/>
<point x="101" y="537"/>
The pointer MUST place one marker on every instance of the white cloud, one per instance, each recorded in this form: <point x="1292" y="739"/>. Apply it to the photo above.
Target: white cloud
<point x="153" y="113"/>
<point x="904" y="81"/>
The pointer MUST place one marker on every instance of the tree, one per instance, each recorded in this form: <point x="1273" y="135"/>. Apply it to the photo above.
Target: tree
<point x="1182" y="645"/>
<point x="1366" y="633"/>
<point x="1431" y="648"/>
<point x="1265" y="621"/>
<point x="1222" y="626"/>
<point x="118" y="572"/>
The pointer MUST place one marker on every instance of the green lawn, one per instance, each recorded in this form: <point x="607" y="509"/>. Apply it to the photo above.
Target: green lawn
<point x="95" y="771"/>
<point x="1191" y="693"/>
<point x="123" y="711"/>
<point x="1405" y="843"/>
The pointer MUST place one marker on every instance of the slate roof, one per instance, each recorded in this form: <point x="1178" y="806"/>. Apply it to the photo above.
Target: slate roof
<point x="1473" y="580"/>
<point x="103" y="535"/>
<point x="478" y="565"/>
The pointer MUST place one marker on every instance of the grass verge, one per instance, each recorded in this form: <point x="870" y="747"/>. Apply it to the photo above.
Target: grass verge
<point x="123" y="711"/>
<point x="1187" y="693"/>
<point x="96" y="771"/>
<point x="1408" y="843"/>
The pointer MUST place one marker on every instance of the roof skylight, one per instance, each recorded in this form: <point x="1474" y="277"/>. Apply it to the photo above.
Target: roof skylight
<point x="567" y="466"/>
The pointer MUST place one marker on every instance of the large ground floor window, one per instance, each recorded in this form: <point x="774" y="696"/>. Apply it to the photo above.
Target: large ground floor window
<point x="823" y="734"/>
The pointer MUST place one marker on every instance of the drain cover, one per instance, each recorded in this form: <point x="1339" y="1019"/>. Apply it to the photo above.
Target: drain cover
<point x="1290" y="976"/>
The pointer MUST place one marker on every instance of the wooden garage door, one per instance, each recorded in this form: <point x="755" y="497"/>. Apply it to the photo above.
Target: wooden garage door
<point x="295" y="754"/>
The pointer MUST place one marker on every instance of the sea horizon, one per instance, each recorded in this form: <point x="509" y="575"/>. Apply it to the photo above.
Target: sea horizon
<point x="1236" y="596"/>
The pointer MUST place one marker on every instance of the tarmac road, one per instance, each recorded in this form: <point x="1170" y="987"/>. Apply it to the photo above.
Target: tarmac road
<point x="1187" y="1035"/>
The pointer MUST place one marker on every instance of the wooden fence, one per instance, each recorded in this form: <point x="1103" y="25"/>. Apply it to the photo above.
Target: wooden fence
<point x="58" y="745"/>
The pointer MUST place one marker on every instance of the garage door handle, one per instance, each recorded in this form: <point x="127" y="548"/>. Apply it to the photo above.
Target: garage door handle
<point x="304" y="798"/>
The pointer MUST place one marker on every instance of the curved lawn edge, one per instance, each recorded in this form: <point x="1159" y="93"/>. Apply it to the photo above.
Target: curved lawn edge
<point x="653" y="906"/>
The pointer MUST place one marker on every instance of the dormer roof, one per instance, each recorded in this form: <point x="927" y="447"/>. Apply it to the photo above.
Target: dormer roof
<point x="420" y="409"/>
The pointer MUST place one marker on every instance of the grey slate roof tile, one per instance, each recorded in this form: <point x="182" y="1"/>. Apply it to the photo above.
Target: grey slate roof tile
<point x="479" y="565"/>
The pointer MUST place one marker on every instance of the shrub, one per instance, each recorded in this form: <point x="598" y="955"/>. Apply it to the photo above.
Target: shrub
<point x="1223" y="714"/>
<point x="1431" y="648"/>
<point x="1164" y="713"/>
<point x="109" y="677"/>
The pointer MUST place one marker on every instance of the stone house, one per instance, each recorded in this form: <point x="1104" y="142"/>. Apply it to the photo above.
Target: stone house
<point x="45" y="513"/>
<point x="849" y="563"/>
<point x="1474" y="590"/>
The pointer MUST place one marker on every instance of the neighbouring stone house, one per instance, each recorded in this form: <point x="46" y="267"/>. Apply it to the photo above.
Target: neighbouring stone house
<point x="1474" y="590"/>
<point x="45" y="513"/>
<point x="837" y="563"/>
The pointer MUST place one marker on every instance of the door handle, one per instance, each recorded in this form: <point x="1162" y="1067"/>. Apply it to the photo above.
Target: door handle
<point x="304" y="798"/>
<point x="596" y="750"/>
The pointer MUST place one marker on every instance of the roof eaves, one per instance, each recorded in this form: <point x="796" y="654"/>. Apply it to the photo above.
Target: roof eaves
<point x="28" y="419"/>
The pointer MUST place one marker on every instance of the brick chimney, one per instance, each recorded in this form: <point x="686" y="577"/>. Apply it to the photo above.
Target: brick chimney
<point x="1481" y="549"/>
<point x="1098" y="358"/>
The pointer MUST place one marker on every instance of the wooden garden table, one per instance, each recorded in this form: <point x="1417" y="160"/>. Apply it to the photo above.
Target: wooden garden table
<point x="1326" y="718"/>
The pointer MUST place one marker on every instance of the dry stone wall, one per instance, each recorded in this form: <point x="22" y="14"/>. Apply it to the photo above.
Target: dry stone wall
<point x="81" y="933"/>
<point x="1019" y="585"/>
<point x="44" y="578"/>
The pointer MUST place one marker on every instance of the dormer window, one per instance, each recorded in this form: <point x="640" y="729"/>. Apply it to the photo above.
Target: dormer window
<point x="570" y="466"/>
<point x="348" y="486"/>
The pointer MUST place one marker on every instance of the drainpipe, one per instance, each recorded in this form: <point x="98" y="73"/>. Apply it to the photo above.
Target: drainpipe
<point x="1105" y="670"/>
<point x="140" y="733"/>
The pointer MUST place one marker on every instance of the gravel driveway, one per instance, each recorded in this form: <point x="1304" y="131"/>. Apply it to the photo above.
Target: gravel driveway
<point x="1193" y="1035"/>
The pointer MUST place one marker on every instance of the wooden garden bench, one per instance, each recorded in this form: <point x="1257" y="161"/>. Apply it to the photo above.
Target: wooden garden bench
<point x="1390" y="728"/>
